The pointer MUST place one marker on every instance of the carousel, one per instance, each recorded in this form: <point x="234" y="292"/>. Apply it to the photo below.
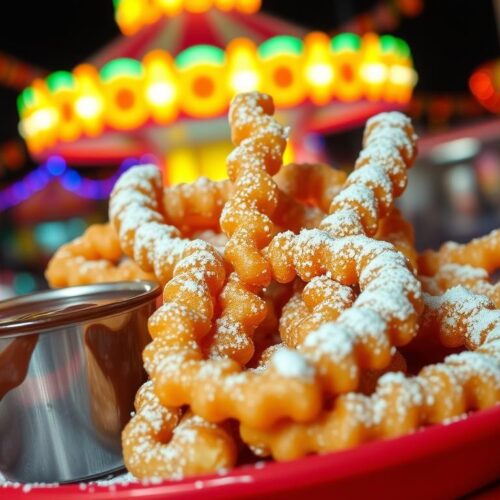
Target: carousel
<point x="163" y="88"/>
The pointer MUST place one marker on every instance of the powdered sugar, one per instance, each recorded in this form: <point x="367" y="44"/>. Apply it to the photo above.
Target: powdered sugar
<point x="291" y="364"/>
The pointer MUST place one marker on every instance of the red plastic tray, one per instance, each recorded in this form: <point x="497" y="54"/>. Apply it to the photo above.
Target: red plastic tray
<point x="442" y="461"/>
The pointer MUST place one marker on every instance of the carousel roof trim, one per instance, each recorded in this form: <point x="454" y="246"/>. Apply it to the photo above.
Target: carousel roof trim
<point x="132" y="15"/>
<point x="127" y="94"/>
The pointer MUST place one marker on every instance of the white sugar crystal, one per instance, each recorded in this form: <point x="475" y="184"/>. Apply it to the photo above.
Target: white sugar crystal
<point x="291" y="364"/>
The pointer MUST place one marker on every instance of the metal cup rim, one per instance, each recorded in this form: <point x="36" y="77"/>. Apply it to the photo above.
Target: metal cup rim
<point x="146" y="291"/>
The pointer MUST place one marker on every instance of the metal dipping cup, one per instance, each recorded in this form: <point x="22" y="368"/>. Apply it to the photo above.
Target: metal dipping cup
<point x="70" y="365"/>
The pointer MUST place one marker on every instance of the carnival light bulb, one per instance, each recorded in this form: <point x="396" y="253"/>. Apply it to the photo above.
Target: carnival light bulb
<point x="242" y="66"/>
<point x="319" y="72"/>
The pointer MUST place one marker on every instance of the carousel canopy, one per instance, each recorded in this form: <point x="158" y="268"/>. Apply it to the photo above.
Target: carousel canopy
<point x="182" y="61"/>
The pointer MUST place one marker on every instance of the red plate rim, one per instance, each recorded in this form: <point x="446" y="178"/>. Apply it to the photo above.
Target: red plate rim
<point x="316" y="469"/>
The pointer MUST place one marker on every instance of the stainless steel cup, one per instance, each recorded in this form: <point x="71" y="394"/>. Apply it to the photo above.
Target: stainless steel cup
<point x="70" y="364"/>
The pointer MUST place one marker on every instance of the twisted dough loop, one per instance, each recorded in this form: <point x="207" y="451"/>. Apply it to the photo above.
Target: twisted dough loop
<point x="473" y="278"/>
<point x="242" y="312"/>
<point x="216" y="389"/>
<point x="135" y="210"/>
<point x="246" y="218"/>
<point x="155" y="245"/>
<point x="195" y="274"/>
<point x="386" y="313"/>
<point x="481" y="252"/>
<point x="380" y="176"/>
<point x="92" y="258"/>
<point x="465" y="381"/>
<point x="159" y="442"/>
<point x="397" y="230"/>
<point x="197" y="205"/>
<point x="312" y="184"/>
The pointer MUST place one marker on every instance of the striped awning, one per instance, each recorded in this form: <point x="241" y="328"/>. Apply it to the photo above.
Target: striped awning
<point x="187" y="29"/>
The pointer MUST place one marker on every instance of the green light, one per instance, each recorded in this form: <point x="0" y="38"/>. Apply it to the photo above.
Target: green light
<point x="390" y="43"/>
<point x="24" y="283"/>
<point x="346" y="41"/>
<point x="25" y="99"/>
<point x="119" y="67"/>
<point x="282" y="44"/>
<point x="207" y="54"/>
<point x="51" y="235"/>
<point x="60" y="80"/>
<point x="402" y="48"/>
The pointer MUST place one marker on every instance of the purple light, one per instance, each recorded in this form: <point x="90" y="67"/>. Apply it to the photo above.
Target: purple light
<point x="56" y="165"/>
<point x="71" y="180"/>
<point x="20" y="191"/>
<point x="36" y="180"/>
<point x="54" y="168"/>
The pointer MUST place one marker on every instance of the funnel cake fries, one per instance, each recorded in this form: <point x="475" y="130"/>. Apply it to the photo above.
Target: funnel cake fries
<point x="466" y="381"/>
<point x="481" y="252"/>
<point x="293" y="304"/>
<point x="379" y="177"/>
<point x="473" y="278"/>
<point x="94" y="257"/>
<point x="246" y="218"/>
<point x="159" y="442"/>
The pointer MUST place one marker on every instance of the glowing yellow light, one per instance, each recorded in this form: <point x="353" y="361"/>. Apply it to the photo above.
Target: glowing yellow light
<point x="182" y="166"/>
<point x="318" y="71"/>
<point x="127" y="93"/>
<point x="212" y="158"/>
<point x="202" y="81"/>
<point x="248" y="6"/>
<point x="373" y="67"/>
<point x="225" y="5"/>
<point x="401" y="75"/>
<point x="160" y="93"/>
<point x="402" y="80"/>
<point x="242" y="68"/>
<point x="197" y="6"/>
<point x="289" y="154"/>
<point x="319" y="74"/>
<point x="43" y="119"/>
<point x="123" y="90"/>
<point x="281" y="62"/>
<point x="160" y="86"/>
<point x="89" y="104"/>
<point x="87" y="107"/>
<point x="129" y="15"/>
<point x="244" y="81"/>
<point x="374" y="72"/>
<point x="347" y="59"/>
<point x="171" y="7"/>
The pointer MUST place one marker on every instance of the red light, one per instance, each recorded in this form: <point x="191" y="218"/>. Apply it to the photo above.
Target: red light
<point x="481" y="85"/>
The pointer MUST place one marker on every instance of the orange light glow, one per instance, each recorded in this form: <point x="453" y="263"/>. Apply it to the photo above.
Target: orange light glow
<point x="373" y="71"/>
<point x="242" y="66"/>
<point x="132" y="15"/>
<point x="484" y="84"/>
<point x="282" y="71"/>
<point x="319" y="71"/>
<point x="126" y="107"/>
<point x="170" y="7"/>
<point x="161" y="86"/>
<point x="200" y="82"/>
<point x="348" y="84"/>
<point x="89" y="105"/>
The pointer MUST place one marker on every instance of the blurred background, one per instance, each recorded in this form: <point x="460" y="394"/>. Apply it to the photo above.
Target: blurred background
<point x="90" y="87"/>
